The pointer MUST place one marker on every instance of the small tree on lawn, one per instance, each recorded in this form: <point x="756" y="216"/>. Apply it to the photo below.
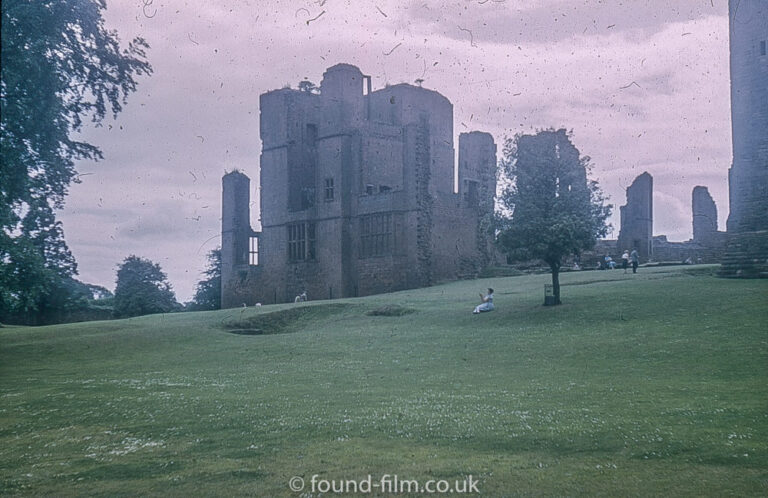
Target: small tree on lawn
<point x="142" y="289"/>
<point x="551" y="209"/>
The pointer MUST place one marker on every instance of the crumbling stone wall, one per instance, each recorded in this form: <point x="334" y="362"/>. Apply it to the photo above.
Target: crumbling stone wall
<point x="637" y="218"/>
<point x="704" y="214"/>
<point x="477" y="189"/>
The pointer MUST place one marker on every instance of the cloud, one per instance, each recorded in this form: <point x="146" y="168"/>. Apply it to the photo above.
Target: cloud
<point x="552" y="21"/>
<point x="642" y="84"/>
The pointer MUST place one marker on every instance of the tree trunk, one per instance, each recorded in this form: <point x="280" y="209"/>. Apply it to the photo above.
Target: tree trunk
<point x="556" y="282"/>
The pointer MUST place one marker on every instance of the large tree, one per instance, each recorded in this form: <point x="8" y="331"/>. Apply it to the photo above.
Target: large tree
<point x="142" y="289"/>
<point x="551" y="210"/>
<point x="208" y="292"/>
<point x="60" y="67"/>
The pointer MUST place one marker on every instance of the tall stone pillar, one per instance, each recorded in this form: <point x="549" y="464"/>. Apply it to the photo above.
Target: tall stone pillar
<point x="235" y="232"/>
<point x="637" y="218"/>
<point x="704" y="215"/>
<point x="747" y="252"/>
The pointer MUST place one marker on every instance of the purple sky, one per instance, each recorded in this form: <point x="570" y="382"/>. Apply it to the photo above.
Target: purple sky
<point x="643" y="84"/>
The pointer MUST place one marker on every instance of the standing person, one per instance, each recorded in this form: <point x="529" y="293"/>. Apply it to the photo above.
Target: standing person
<point x="487" y="304"/>
<point x="635" y="258"/>
<point x="625" y="260"/>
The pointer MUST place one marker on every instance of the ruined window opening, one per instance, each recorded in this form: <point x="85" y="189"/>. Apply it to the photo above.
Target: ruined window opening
<point x="762" y="47"/>
<point x="296" y="241"/>
<point x="384" y="188"/>
<point x="302" y="166"/>
<point x="375" y="235"/>
<point x="329" y="193"/>
<point x="253" y="251"/>
<point x="301" y="241"/>
<point x="369" y="189"/>
<point x="310" y="241"/>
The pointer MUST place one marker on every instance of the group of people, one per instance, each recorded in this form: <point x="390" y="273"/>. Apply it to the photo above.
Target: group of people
<point x="627" y="258"/>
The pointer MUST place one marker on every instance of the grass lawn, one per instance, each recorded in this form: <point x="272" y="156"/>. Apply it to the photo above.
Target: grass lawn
<point x="647" y="384"/>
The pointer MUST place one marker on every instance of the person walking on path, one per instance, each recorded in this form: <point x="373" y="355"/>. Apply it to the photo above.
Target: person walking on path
<point x="487" y="304"/>
<point x="625" y="260"/>
<point x="635" y="258"/>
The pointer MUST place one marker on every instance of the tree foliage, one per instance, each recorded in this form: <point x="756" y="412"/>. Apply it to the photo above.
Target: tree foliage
<point x="308" y="86"/>
<point x="36" y="284"/>
<point x="60" y="67"/>
<point x="142" y="289"/>
<point x="552" y="209"/>
<point x="208" y="292"/>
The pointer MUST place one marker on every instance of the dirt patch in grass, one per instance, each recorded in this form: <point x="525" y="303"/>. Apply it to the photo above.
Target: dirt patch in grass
<point x="390" y="310"/>
<point x="284" y="321"/>
<point x="246" y="331"/>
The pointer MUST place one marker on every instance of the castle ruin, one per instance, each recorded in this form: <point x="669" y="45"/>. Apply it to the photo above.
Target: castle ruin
<point x="706" y="246"/>
<point x="357" y="195"/>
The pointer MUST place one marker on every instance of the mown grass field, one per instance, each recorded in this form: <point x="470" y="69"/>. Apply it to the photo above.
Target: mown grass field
<point x="639" y="385"/>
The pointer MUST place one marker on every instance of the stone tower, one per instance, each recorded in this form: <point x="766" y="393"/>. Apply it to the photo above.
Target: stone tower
<point x="748" y="177"/>
<point x="236" y="232"/>
<point x="637" y="217"/>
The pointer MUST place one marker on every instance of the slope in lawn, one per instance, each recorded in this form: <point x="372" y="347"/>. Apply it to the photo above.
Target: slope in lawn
<point x="639" y="384"/>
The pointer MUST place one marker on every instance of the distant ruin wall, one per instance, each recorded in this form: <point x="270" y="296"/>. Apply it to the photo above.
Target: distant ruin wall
<point x="704" y="215"/>
<point x="637" y="218"/>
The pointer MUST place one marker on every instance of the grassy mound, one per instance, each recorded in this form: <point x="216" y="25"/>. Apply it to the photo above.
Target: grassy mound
<point x="282" y="321"/>
<point x="647" y="384"/>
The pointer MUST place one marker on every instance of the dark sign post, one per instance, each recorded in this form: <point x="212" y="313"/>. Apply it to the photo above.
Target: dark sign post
<point x="549" y="295"/>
